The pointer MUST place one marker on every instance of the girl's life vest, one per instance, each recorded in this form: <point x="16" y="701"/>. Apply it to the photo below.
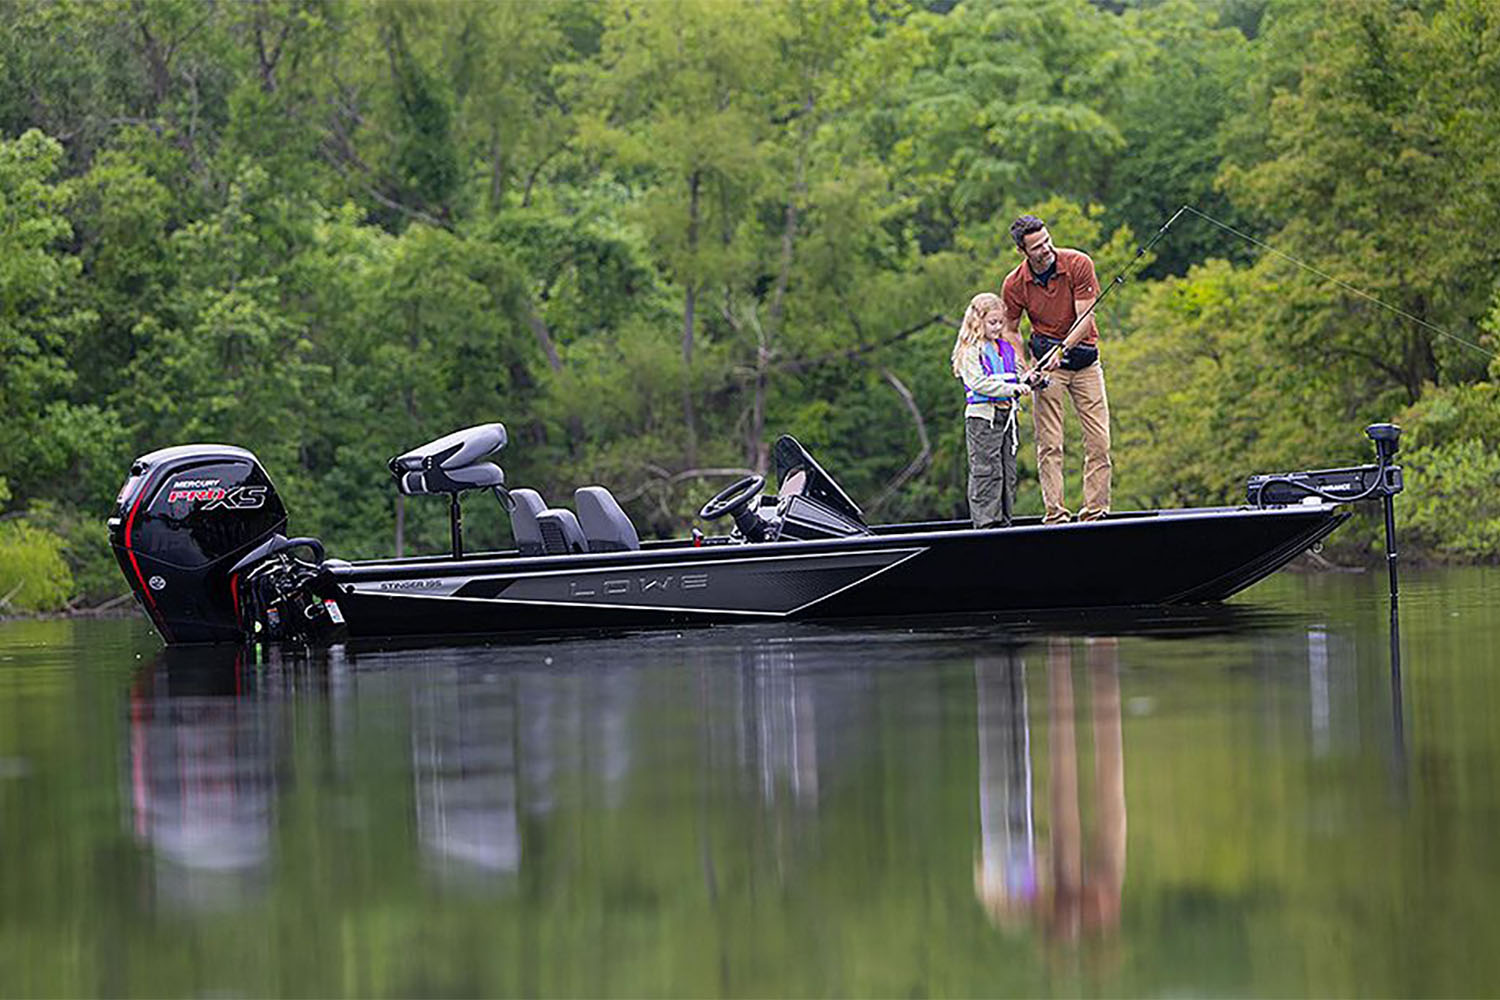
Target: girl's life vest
<point x="996" y="357"/>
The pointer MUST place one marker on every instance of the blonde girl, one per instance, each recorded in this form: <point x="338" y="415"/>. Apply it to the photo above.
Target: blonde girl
<point x="989" y="367"/>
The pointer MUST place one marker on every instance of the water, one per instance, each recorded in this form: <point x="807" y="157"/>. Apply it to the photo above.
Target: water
<point x="1239" y="801"/>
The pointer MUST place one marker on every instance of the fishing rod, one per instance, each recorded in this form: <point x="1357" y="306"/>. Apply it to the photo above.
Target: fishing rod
<point x="1118" y="280"/>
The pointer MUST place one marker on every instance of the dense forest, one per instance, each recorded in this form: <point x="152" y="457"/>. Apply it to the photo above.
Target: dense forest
<point x="651" y="236"/>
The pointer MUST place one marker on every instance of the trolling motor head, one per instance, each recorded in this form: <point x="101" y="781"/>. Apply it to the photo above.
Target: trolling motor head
<point x="1387" y="438"/>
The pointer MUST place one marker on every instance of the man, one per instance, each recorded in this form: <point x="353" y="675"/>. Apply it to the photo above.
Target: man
<point x="1054" y="287"/>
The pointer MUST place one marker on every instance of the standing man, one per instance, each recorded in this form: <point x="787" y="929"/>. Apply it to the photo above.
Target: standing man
<point x="1054" y="287"/>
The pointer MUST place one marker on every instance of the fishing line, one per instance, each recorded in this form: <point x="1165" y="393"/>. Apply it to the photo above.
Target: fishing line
<point x="1327" y="277"/>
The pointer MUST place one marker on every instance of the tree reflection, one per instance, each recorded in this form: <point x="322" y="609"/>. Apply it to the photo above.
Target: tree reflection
<point x="464" y="767"/>
<point x="201" y="780"/>
<point x="1050" y="880"/>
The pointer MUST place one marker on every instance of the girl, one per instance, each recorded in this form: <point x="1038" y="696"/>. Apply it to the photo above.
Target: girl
<point x="987" y="364"/>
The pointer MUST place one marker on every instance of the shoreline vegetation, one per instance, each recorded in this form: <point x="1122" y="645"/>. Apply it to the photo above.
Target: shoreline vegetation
<point x="651" y="236"/>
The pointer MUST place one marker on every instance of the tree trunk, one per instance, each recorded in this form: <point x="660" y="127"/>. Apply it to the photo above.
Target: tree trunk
<point x="497" y="169"/>
<point x="689" y="308"/>
<point x="759" y="453"/>
<point x="543" y="337"/>
<point x="158" y="62"/>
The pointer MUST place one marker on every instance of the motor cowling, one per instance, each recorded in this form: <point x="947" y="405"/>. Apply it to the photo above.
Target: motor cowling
<point x="181" y="522"/>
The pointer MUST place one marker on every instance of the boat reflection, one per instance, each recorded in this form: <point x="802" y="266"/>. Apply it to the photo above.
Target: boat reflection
<point x="501" y="742"/>
<point x="202" y="782"/>
<point x="463" y="748"/>
<point x="783" y="731"/>
<point x="1023" y="877"/>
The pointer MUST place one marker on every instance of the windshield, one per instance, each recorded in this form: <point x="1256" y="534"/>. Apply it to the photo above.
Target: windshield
<point x="797" y="472"/>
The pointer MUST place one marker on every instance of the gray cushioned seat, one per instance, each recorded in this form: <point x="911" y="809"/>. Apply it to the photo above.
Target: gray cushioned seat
<point x="523" y="521"/>
<point x="561" y="534"/>
<point x="469" y="446"/>
<point x="604" y="524"/>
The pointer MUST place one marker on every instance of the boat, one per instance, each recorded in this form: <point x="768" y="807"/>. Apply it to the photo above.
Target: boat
<point x="199" y="532"/>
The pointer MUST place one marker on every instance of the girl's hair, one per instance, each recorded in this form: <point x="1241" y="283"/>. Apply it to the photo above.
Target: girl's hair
<point x="971" y="330"/>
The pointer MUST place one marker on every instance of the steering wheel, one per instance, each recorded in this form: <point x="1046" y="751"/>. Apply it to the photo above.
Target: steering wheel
<point x="733" y="498"/>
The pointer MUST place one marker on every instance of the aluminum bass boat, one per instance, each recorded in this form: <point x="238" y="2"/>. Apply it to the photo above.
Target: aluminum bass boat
<point x="199" y="532"/>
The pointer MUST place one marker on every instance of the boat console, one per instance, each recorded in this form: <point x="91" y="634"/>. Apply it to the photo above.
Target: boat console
<point x="808" y="503"/>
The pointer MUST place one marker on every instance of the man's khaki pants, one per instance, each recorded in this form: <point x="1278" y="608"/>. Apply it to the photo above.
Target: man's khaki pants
<point x="1086" y="389"/>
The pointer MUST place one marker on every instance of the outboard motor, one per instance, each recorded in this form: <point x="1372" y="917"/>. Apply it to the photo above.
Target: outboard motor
<point x="182" y="522"/>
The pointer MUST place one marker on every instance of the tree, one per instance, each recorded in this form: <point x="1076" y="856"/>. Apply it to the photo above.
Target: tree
<point x="39" y="319"/>
<point x="679" y="99"/>
<point x="1378" y="198"/>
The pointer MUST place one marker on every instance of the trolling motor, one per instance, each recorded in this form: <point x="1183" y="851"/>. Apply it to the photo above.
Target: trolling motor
<point x="1349" y="485"/>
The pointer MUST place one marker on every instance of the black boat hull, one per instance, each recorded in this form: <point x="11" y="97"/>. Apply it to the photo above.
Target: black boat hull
<point x="1133" y="559"/>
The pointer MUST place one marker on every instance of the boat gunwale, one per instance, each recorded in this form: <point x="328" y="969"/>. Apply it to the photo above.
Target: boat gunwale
<point x="882" y="537"/>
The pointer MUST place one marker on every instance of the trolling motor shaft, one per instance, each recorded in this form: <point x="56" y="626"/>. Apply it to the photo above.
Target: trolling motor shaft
<point x="1387" y="438"/>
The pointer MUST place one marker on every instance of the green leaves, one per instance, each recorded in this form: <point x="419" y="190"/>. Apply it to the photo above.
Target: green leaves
<point x="33" y="576"/>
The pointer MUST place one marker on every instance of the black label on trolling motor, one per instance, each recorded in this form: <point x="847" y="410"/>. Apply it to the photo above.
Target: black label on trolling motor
<point x="1362" y="482"/>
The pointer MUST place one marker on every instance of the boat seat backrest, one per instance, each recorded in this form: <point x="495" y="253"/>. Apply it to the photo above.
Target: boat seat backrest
<point x="605" y="525"/>
<point x="561" y="534"/>
<point x="523" y="521"/>
<point x="433" y="481"/>
<point x="468" y="446"/>
<point x="454" y="463"/>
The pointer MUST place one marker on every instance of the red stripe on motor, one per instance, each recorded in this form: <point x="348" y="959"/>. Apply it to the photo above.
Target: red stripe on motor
<point x="156" y="614"/>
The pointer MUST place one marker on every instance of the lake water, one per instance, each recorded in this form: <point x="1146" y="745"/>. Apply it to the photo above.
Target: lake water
<point x="1239" y="801"/>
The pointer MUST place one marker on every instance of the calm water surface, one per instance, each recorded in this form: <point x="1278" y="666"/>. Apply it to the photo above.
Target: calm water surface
<point x="1242" y="801"/>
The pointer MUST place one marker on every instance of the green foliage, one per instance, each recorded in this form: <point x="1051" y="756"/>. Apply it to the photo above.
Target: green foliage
<point x="1202" y="395"/>
<point x="1452" y="467"/>
<point x="1453" y="505"/>
<point x="33" y="575"/>
<point x="1173" y="123"/>
<point x="37" y="315"/>
<point x="90" y="565"/>
<point x="1375" y="160"/>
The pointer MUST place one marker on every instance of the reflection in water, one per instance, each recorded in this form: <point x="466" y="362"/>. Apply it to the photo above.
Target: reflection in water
<point x="1398" y="717"/>
<point x="464" y="765"/>
<point x="494" y="737"/>
<point x="783" y="726"/>
<point x="762" y="811"/>
<point x="1317" y="683"/>
<point x="1074" y="893"/>
<point x="1006" y="877"/>
<point x="201" y="781"/>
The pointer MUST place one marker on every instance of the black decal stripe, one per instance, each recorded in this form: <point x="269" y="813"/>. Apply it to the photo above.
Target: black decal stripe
<point x="910" y="555"/>
<point x="485" y="589"/>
